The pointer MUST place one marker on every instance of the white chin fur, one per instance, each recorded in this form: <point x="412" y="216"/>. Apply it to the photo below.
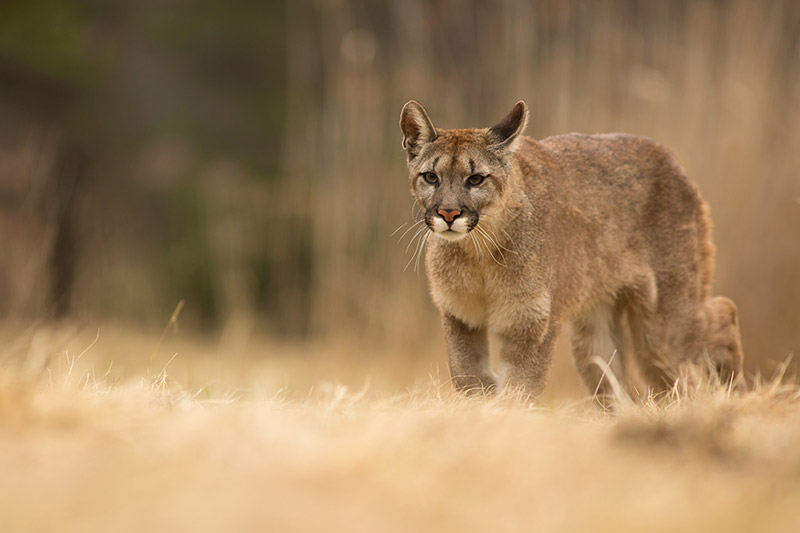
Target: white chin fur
<point x="451" y="235"/>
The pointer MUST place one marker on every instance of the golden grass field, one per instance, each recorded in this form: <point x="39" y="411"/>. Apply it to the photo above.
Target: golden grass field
<point x="99" y="432"/>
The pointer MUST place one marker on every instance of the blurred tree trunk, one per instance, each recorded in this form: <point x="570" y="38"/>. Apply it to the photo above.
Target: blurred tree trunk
<point x="63" y="189"/>
<point x="50" y="257"/>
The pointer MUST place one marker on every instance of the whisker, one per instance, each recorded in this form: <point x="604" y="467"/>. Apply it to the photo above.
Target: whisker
<point x="488" y="238"/>
<point x="483" y="229"/>
<point x="421" y="251"/>
<point x="420" y="244"/>
<point x="497" y="240"/>
<point x="419" y="232"/>
<point x="416" y="209"/>
<point x="485" y="237"/>
<point x="482" y="241"/>
<point x="407" y="230"/>
<point x="401" y="226"/>
<point x="474" y="242"/>
<point x="412" y="257"/>
<point x="488" y="228"/>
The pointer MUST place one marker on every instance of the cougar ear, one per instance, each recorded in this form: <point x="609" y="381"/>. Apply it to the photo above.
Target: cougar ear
<point x="417" y="128"/>
<point x="506" y="132"/>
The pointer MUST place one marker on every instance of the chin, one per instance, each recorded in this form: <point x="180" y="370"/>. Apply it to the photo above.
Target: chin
<point x="451" y="235"/>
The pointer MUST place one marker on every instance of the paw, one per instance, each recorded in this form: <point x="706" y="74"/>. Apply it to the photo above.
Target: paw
<point x="475" y="385"/>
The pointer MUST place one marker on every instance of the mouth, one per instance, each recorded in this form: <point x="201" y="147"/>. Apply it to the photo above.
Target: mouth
<point x="451" y="235"/>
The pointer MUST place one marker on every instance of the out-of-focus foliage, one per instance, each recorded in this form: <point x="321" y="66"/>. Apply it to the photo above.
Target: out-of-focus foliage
<point x="146" y="95"/>
<point x="210" y="71"/>
<point x="48" y="38"/>
<point x="245" y="156"/>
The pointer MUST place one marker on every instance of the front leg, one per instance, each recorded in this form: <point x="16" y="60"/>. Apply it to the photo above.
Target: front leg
<point x="468" y="353"/>
<point x="526" y="357"/>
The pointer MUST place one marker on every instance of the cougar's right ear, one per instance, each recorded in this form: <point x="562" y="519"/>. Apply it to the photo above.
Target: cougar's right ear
<point x="417" y="128"/>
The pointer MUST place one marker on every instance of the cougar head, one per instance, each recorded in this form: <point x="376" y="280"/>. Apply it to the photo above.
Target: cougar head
<point x="459" y="176"/>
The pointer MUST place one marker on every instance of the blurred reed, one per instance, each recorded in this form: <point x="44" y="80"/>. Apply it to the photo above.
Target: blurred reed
<point x="309" y="251"/>
<point x="718" y="83"/>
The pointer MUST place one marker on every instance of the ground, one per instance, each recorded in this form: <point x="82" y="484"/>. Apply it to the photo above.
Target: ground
<point x="274" y="442"/>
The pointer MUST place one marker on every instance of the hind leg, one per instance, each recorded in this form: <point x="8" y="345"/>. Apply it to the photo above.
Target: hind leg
<point x="656" y="326"/>
<point x="670" y="333"/>
<point x="659" y="362"/>
<point x="594" y="335"/>
<point x="723" y="342"/>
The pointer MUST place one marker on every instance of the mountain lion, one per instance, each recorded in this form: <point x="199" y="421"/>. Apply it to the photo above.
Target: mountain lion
<point x="604" y="232"/>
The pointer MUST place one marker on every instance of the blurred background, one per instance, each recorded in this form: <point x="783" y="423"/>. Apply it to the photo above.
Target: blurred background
<point x="244" y="156"/>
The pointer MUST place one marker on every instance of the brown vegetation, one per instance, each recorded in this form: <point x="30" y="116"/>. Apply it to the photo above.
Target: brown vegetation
<point x="285" y="226"/>
<point x="93" y="450"/>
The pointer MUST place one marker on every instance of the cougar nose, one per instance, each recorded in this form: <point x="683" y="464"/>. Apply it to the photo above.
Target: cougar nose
<point x="449" y="216"/>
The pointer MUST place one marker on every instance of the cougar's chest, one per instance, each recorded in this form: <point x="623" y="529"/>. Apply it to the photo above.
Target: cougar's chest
<point x="459" y="290"/>
<point x="467" y="288"/>
<point x="485" y="295"/>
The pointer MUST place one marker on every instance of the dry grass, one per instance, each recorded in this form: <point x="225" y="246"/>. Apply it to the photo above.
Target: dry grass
<point x="84" y="450"/>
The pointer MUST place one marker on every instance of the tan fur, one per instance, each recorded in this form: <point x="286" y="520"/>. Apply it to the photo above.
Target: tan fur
<point x="604" y="232"/>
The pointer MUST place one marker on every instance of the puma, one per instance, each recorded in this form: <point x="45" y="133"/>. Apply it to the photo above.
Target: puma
<point x="604" y="233"/>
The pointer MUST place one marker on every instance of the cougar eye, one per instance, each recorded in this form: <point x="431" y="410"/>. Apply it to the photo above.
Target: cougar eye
<point x="430" y="177"/>
<point x="475" y="180"/>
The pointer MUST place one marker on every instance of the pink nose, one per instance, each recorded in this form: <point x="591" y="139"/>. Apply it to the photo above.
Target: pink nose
<point x="449" y="215"/>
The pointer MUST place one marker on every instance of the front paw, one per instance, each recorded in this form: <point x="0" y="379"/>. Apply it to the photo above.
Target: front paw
<point x="475" y="385"/>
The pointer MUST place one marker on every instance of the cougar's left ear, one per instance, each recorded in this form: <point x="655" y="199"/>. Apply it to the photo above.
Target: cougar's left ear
<point x="506" y="132"/>
<point x="417" y="128"/>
